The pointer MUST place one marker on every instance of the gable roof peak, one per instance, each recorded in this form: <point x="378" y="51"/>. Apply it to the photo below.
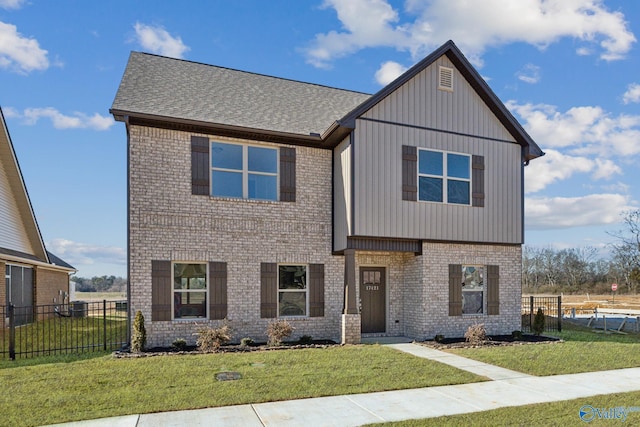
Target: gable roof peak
<point x="464" y="67"/>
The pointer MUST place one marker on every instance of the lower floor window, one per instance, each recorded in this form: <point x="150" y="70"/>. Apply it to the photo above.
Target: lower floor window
<point x="473" y="294"/>
<point x="292" y="290"/>
<point x="189" y="291"/>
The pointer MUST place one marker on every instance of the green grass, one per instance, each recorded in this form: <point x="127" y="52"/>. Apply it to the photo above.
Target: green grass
<point x="101" y="387"/>
<point x="66" y="334"/>
<point x="564" y="413"/>
<point x="586" y="350"/>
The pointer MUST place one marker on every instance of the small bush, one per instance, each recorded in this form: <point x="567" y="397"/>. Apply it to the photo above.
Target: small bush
<point x="139" y="337"/>
<point x="517" y="335"/>
<point x="305" y="340"/>
<point x="246" y="342"/>
<point x="538" y="322"/>
<point x="179" y="344"/>
<point x="439" y="338"/>
<point x="476" y="334"/>
<point x="210" y="339"/>
<point x="277" y="331"/>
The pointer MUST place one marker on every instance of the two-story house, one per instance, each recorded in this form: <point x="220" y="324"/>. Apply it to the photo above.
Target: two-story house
<point x="33" y="275"/>
<point x="254" y="198"/>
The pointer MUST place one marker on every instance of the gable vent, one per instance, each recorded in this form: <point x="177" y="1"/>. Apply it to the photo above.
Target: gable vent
<point x="445" y="78"/>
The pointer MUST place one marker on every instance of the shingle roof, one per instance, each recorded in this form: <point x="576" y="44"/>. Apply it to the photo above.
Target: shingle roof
<point x="172" y="88"/>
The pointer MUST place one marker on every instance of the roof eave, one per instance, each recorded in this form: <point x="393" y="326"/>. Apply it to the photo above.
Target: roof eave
<point x="196" y="126"/>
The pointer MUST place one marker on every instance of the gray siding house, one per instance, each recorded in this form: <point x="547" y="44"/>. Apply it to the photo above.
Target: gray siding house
<point x="253" y="198"/>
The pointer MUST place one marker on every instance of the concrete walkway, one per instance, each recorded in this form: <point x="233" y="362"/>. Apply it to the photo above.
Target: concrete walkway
<point x="508" y="388"/>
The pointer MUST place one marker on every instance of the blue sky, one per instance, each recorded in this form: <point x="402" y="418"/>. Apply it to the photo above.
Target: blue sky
<point x="569" y="70"/>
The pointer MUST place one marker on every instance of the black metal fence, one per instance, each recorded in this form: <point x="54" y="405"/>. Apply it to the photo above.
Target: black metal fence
<point x="76" y="327"/>
<point x="551" y="307"/>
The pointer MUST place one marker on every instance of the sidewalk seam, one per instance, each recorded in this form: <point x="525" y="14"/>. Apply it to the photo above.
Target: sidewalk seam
<point x="253" y="408"/>
<point x="366" y="409"/>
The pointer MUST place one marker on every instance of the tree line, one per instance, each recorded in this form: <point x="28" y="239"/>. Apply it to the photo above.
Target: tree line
<point x="100" y="284"/>
<point x="547" y="270"/>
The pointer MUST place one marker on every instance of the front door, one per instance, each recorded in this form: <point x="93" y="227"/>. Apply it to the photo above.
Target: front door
<point x="373" y="299"/>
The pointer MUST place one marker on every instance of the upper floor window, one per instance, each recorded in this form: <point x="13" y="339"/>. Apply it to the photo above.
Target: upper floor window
<point x="444" y="177"/>
<point x="244" y="171"/>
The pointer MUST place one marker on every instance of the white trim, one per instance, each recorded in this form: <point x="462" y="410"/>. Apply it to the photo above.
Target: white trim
<point x="207" y="292"/>
<point x="245" y="169"/>
<point x="28" y="262"/>
<point x="484" y="289"/>
<point x="306" y="289"/>
<point x="445" y="176"/>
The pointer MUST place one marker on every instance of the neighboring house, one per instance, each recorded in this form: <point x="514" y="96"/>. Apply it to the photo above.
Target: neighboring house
<point x="33" y="276"/>
<point x="254" y="198"/>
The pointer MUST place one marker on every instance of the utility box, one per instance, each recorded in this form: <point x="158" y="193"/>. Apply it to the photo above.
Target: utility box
<point x="79" y="308"/>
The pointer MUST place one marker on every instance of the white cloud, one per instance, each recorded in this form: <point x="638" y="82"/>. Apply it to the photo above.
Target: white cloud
<point x="553" y="166"/>
<point x="78" y="120"/>
<point x="473" y="25"/>
<point x="583" y="130"/>
<point x="632" y="94"/>
<point x="83" y="253"/>
<point x="18" y="53"/>
<point x="388" y="72"/>
<point x="529" y="74"/>
<point x="157" y="40"/>
<point x="565" y="212"/>
<point x="12" y="4"/>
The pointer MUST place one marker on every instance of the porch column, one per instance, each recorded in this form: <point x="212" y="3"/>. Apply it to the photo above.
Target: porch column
<point x="351" y="326"/>
<point x="350" y="306"/>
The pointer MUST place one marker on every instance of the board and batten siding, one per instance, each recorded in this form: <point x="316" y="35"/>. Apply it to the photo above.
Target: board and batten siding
<point x="419" y="114"/>
<point x="13" y="234"/>
<point x="381" y="212"/>
<point x="342" y="194"/>
<point x="419" y="102"/>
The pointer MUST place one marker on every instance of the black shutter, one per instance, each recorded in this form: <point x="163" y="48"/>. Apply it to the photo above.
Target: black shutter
<point x="477" y="179"/>
<point x="200" y="170"/>
<point x="316" y="290"/>
<point x="160" y="290"/>
<point x="493" y="289"/>
<point x="268" y="290"/>
<point x="287" y="174"/>
<point x="409" y="173"/>
<point x="455" y="290"/>
<point x="218" y="290"/>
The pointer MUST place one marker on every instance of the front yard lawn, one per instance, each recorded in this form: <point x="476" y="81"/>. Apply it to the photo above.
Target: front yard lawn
<point x="565" y="413"/>
<point x="102" y="387"/>
<point x="583" y="351"/>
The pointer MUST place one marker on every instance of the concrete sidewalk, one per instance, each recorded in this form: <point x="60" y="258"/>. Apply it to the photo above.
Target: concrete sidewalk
<point x="508" y="388"/>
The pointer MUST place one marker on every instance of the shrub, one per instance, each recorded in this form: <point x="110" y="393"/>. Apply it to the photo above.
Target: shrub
<point x="305" y="340"/>
<point x="277" y="331"/>
<point x="476" y="334"/>
<point x="517" y="335"/>
<point x="210" y="339"/>
<point x="139" y="337"/>
<point x="246" y="341"/>
<point x="179" y="344"/>
<point x="538" y="322"/>
<point x="439" y="338"/>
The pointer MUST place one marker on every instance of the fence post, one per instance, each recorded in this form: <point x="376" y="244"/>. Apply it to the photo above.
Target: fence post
<point x="530" y="311"/>
<point x="12" y="332"/>
<point x="559" y="313"/>
<point x="104" y="322"/>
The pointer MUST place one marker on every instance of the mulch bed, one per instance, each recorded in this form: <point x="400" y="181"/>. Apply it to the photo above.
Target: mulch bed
<point x="229" y="348"/>
<point x="493" y="340"/>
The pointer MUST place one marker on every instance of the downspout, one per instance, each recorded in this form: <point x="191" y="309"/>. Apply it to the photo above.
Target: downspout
<point x="126" y="122"/>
